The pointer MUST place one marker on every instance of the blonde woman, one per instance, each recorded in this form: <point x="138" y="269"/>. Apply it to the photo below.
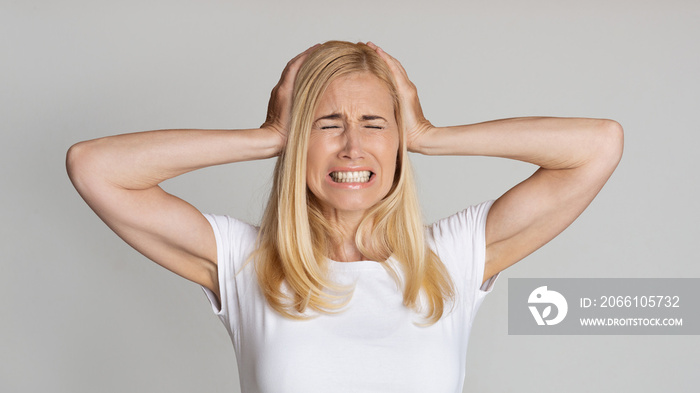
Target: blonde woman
<point x="342" y="288"/>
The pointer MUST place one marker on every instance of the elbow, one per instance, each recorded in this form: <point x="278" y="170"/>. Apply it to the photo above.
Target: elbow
<point x="80" y="163"/>
<point x="610" y="142"/>
<point x="75" y="159"/>
<point x="617" y="138"/>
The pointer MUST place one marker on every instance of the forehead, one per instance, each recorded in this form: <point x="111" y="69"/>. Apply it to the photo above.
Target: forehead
<point x="356" y="92"/>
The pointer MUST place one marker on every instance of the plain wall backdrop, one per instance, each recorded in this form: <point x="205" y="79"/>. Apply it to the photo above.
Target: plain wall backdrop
<point x="82" y="312"/>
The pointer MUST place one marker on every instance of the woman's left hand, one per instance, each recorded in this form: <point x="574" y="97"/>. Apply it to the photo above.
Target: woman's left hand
<point x="416" y="127"/>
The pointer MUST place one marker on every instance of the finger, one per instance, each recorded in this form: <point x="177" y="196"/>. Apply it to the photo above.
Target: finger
<point x="298" y="59"/>
<point x="394" y="65"/>
<point x="403" y="82"/>
<point x="290" y="71"/>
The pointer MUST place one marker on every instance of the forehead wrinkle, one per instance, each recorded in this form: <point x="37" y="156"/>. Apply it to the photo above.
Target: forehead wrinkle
<point x="358" y="109"/>
<point x="338" y="116"/>
<point x="332" y="116"/>
<point x="350" y="98"/>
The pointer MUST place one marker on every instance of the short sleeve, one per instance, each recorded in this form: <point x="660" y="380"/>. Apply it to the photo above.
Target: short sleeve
<point x="235" y="241"/>
<point x="460" y="242"/>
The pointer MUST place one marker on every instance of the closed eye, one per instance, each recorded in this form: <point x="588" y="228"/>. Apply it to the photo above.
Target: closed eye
<point x="375" y="127"/>
<point x="328" y="127"/>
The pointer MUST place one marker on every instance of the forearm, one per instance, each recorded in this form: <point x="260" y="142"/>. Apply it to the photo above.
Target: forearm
<point x="143" y="160"/>
<point x="551" y="143"/>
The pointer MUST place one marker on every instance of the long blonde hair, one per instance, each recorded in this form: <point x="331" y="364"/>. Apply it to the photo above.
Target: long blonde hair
<point x="295" y="238"/>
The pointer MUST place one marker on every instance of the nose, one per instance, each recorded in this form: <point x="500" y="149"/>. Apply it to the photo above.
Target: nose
<point x="352" y="143"/>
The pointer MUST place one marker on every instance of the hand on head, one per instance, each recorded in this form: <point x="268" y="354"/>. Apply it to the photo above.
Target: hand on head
<point x="416" y="126"/>
<point x="279" y="108"/>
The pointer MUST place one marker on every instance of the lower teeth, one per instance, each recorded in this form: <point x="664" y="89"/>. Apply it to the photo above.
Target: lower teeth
<point x="357" y="180"/>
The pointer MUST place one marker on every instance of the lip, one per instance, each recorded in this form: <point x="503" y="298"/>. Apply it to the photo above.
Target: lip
<point x="351" y="186"/>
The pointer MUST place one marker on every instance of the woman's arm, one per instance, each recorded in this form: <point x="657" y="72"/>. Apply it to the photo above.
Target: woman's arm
<point x="119" y="177"/>
<point x="575" y="156"/>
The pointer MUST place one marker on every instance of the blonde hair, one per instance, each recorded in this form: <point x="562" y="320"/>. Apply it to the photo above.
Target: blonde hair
<point x="295" y="238"/>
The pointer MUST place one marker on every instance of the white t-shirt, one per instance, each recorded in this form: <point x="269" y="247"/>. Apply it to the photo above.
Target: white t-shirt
<point x="372" y="346"/>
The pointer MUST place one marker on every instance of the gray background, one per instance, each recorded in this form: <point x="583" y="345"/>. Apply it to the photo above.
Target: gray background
<point x="81" y="312"/>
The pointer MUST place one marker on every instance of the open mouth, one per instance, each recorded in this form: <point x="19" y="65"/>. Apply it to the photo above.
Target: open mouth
<point x="352" y="177"/>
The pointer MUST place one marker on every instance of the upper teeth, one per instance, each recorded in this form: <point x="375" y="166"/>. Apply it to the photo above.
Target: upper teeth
<point x="351" y="177"/>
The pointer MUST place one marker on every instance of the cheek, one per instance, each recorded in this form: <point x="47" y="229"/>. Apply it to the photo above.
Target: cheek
<point x="391" y="150"/>
<point x="314" y="165"/>
<point x="310" y="171"/>
<point x="393" y="157"/>
<point x="311" y="153"/>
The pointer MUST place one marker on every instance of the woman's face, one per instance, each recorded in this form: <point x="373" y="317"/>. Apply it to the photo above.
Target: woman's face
<point x="353" y="145"/>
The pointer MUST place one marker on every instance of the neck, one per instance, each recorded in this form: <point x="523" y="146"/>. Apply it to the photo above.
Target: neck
<point x="344" y="249"/>
<point x="346" y="252"/>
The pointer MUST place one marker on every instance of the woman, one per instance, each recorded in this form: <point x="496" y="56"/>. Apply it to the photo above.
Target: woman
<point x="341" y="288"/>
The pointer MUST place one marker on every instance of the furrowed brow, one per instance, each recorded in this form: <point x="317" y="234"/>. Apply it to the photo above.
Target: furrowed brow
<point x="332" y="116"/>
<point x="372" y="117"/>
<point x="338" y="116"/>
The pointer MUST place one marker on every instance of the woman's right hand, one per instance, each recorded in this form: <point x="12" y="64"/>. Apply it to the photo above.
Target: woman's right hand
<point x="279" y="109"/>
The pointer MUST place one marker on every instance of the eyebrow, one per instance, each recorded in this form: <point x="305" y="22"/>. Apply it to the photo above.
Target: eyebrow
<point x="336" y="116"/>
<point x="372" y="117"/>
